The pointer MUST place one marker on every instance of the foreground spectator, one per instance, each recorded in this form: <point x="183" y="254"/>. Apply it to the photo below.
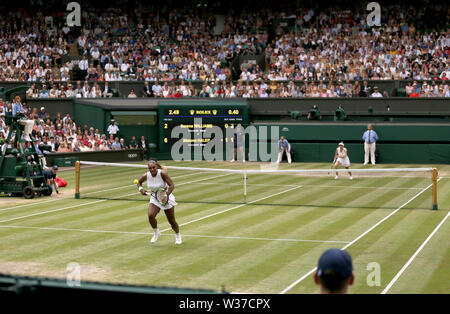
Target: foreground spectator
<point x="334" y="272"/>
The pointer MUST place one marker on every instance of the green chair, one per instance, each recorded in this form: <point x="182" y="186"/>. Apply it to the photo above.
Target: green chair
<point x="296" y="115"/>
<point x="314" y="114"/>
<point x="401" y="92"/>
<point x="340" y="114"/>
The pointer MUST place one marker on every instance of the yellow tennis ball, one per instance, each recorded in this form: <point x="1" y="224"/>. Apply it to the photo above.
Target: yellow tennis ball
<point x="135" y="181"/>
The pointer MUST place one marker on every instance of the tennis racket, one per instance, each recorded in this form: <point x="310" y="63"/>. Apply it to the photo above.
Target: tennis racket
<point x="332" y="165"/>
<point x="161" y="196"/>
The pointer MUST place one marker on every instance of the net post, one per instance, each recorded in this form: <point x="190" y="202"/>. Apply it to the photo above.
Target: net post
<point x="77" y="179"/>
<point x="435" y="179"/>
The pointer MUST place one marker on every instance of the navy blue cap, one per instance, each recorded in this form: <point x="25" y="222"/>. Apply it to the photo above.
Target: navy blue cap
<point x="335" y="260"/>
<point x="55" y="167"/>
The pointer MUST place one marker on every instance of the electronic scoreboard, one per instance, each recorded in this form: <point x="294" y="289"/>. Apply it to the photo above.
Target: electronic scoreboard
<point x="196" y="117"/>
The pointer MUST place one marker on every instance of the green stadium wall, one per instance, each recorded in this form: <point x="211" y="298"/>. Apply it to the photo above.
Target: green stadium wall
<point x="312" y="141"/>
<point x="429" y="144"/>
<point x="90" y="115"/>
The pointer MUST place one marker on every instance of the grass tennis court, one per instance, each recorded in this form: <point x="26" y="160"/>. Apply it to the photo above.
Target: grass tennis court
<point x="268" y="243"/>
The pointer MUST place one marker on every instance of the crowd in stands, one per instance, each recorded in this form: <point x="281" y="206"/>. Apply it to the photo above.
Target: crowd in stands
<point x="308" y="52"/>
<point x="244" y="89"/>
<point x="308" y="89"/>
<point x="62" y="134"/>
<point x="165" y="45"/>
<point x="61" y="90"/>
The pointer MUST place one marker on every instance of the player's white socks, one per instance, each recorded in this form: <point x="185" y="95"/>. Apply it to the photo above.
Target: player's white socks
<point x="336" y="177"/>
<point x="156" y="235"/>
<point x="178" y="238"/>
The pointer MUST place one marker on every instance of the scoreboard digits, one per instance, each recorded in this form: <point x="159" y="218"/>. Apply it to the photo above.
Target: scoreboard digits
<point x="173" y="112"/>
<point x="224" y="116"/>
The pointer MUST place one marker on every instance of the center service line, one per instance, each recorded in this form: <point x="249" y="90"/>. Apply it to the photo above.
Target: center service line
<point x="356" y="239"/>
<point x="234" y="207"/>
<point x="184" y="235"/>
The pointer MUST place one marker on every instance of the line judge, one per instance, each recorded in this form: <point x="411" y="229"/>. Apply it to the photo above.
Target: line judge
<point x="370" y="138"/>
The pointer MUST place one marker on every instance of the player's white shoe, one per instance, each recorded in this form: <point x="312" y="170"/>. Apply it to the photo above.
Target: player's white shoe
<point x="178" y="238"/>
<point x="155" y="237"/>
<point x="351" y="178"/>
<point x="232" y="160"/>
<point x="336" y="177"/>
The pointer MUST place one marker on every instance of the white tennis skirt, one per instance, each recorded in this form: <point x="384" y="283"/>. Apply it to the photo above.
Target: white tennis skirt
<point x="344" y="161"/>
<point x="169" y="204"/>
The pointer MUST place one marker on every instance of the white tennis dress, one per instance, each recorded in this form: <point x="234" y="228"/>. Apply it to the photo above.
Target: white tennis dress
<point x="345" y="161"/>
<point x="155" y="183"/>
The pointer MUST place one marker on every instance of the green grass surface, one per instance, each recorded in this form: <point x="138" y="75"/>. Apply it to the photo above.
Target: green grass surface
<point x="261" y="244"/>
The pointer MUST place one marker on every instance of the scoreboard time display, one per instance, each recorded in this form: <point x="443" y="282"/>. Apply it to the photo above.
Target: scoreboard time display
<point x="195" y="118"/>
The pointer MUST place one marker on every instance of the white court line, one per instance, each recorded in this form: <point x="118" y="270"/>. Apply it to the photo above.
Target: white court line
<point x="184" y="235"/>
<point x="414" y="255"/>
<point x="356" y="239"/>
<point x="234" y="207"/>
<point x="89" y="193"/>
<point x="318" y="186"/>
<point x="95" y="202"/>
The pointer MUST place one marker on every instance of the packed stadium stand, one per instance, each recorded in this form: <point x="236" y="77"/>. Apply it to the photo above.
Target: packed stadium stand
<point x="205" y="49"/>
<point x="116" y="88"/>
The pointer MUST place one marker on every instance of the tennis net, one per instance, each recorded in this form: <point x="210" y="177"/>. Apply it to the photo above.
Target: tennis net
<point x="237" y="185"/>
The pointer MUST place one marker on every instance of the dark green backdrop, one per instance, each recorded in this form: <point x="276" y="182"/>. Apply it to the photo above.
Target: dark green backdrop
<point x="399" y="143"/>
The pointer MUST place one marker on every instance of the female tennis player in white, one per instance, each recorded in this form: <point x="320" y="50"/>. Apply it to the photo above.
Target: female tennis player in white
<point x="157" y="178"/>
<point x="341" y="158"/>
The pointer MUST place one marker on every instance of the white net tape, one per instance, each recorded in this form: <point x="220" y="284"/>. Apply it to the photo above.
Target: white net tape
<point x="263" y="171"/>
<point x="422" y="172"/>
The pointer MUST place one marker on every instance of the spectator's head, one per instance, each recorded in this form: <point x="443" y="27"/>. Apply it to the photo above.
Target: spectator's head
<point x="369" y="127"/>
<point x="334" y="272"/>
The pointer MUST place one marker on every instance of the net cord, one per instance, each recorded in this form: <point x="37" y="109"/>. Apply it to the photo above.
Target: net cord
<point x="255" y="171"/>
<point x="245" y="172"/>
